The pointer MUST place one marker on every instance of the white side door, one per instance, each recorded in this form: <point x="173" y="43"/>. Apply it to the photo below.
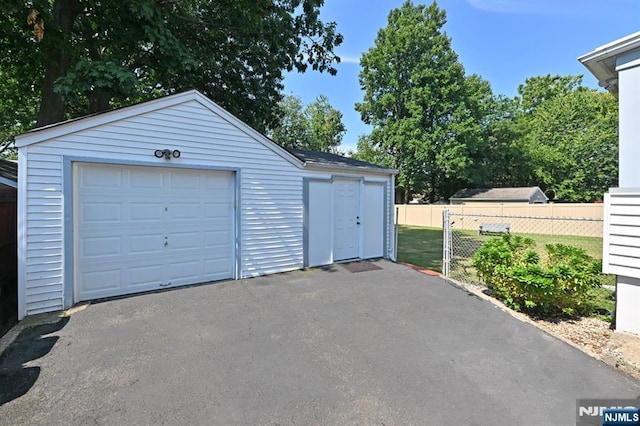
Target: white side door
<point x="346" y="219"/>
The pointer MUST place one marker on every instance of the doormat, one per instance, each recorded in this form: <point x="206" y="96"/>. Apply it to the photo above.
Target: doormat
<point x="360" y="266"/>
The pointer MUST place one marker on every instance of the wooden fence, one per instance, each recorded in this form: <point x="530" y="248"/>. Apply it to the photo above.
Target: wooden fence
<point x="431" y="215"/>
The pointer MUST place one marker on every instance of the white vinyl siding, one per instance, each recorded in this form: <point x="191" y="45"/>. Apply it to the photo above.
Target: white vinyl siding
<point x="270" y="190"/>
<point x="621" y="251"/>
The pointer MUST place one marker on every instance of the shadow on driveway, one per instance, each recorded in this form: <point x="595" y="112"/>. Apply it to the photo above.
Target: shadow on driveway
<point x="32" y="343"/>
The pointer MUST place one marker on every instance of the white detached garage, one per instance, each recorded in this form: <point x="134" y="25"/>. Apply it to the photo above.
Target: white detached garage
<point x="177" y="191"/>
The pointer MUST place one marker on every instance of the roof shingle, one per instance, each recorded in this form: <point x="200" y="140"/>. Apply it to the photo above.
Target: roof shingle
<point x="328" y="159"/>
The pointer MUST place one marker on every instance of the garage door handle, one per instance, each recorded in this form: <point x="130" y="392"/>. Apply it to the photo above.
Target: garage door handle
<point x="357" y="223"/>
<point x="166" y="243"/>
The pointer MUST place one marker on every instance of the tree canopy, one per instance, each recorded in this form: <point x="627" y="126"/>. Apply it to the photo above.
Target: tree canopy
<point x="445" y="130"/>
<point x="66" y="58"/>
<point x="423" y="109"/>
<point x="316" y="127"/>
<point x="571" y="144"/>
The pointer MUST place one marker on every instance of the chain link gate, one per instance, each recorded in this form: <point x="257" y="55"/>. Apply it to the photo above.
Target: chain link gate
<point x="465" y="233"/>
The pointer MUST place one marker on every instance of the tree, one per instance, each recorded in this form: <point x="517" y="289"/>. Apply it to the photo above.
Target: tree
<point x="366" y="151"/>
<point x="536" y="90"/>
<point x="293" y="130"/>
<point x="316" y="127"/>
<point x="79" y="57"/>
<point x="505" y="161"/>
<point x="417" y="99"/>
<point x="326" y="126"/>
<point x="573" y="144"/>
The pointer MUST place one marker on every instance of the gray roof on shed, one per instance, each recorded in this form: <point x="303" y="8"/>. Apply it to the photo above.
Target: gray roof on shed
<point x="497" y="194"/>
<point x="328" y="159"/>
<point x="8" y="172"/>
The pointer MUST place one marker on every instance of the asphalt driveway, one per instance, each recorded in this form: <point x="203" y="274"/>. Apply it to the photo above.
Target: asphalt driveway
<point x="389" y="346"/>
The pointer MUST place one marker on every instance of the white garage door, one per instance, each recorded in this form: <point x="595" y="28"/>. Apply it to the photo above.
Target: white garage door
<point x="143" y="228"/>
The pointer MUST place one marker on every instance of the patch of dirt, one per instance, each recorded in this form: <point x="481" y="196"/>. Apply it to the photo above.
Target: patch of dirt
<point x="591" y="335"/>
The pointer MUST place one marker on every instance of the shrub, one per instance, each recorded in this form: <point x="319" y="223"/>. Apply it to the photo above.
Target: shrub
<point x="560" y="285"/>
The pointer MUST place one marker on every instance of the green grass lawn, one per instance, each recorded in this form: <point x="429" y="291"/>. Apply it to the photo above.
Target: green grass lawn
<point x="592" y="245"/>
<point x="423" y="247"/>
<point x="420" y="246"/>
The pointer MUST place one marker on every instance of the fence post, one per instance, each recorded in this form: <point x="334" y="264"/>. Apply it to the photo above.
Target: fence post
<point x="446" y="242"/>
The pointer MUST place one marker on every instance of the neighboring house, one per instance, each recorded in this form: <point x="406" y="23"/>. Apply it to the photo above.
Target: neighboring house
<point x="617" y="68"/>
<point x="8" y="173"/>
<point x="178" y="191"/>
<point x="531" y="195"/>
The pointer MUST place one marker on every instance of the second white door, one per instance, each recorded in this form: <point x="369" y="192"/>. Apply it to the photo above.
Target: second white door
<point x="346" y="219"/>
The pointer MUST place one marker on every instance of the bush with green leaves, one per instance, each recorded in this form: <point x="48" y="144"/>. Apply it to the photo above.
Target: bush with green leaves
<point x="558" y="282"/>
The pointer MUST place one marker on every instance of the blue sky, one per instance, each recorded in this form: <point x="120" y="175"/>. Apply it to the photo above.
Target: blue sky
<point x="504" y="41"/>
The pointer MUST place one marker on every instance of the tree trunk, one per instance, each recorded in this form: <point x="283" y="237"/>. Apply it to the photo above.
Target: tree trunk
<point x="432" y="190"/>
<point x="99" y="100"/>
<point x="51" y="105"/>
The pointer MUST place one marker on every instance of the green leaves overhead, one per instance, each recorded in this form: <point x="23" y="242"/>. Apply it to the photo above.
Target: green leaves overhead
<point x="422" y="107"/>
<point x="572" y="144"/>
<point x="95" y="55"/>
<point x="445" y="130"/>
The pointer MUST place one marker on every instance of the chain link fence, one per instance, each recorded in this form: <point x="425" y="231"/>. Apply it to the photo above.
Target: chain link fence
<point x="464" y="234"/>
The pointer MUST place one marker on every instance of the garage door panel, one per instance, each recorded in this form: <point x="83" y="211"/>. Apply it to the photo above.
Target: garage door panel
<point x="146" y="211"/>
<point x="100" y="246"/>
<point x="213" y="272"/>
<point x="180" y="180"/>
<point x="102" y="282"/>
<point x="101" y="212"/>
<point x="183" y="270"/>
<point x="216" y="239"/>
<point x="216" y="210"/>
<point x="184" y="241"/>
<point x="143" y="244"/>
<point x="105" y="177"/>
<point x="122" y="228"/>
<point x="184" y="211"/>
<point x="146" y="277"/>
<point x="146" y="179"/>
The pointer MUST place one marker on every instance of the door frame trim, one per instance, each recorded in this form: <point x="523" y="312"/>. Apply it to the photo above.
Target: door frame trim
<point x="68" y="273"/>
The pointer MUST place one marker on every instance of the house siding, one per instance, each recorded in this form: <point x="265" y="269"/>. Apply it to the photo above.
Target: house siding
<point x="270" y="194"/>
<point x="621" y="252"/>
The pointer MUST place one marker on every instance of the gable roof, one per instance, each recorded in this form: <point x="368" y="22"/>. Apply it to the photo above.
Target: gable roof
<point x="497" y="194"/>
<point x="82" y="123"/>
<point x="602" y="61"/>
<point x="326" y="159"/>
<point x="9" y="173"/>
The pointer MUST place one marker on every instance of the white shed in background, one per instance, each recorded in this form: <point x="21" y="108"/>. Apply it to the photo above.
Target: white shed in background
<point x="178" y="191"/>
<point x="617" y="67"/>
